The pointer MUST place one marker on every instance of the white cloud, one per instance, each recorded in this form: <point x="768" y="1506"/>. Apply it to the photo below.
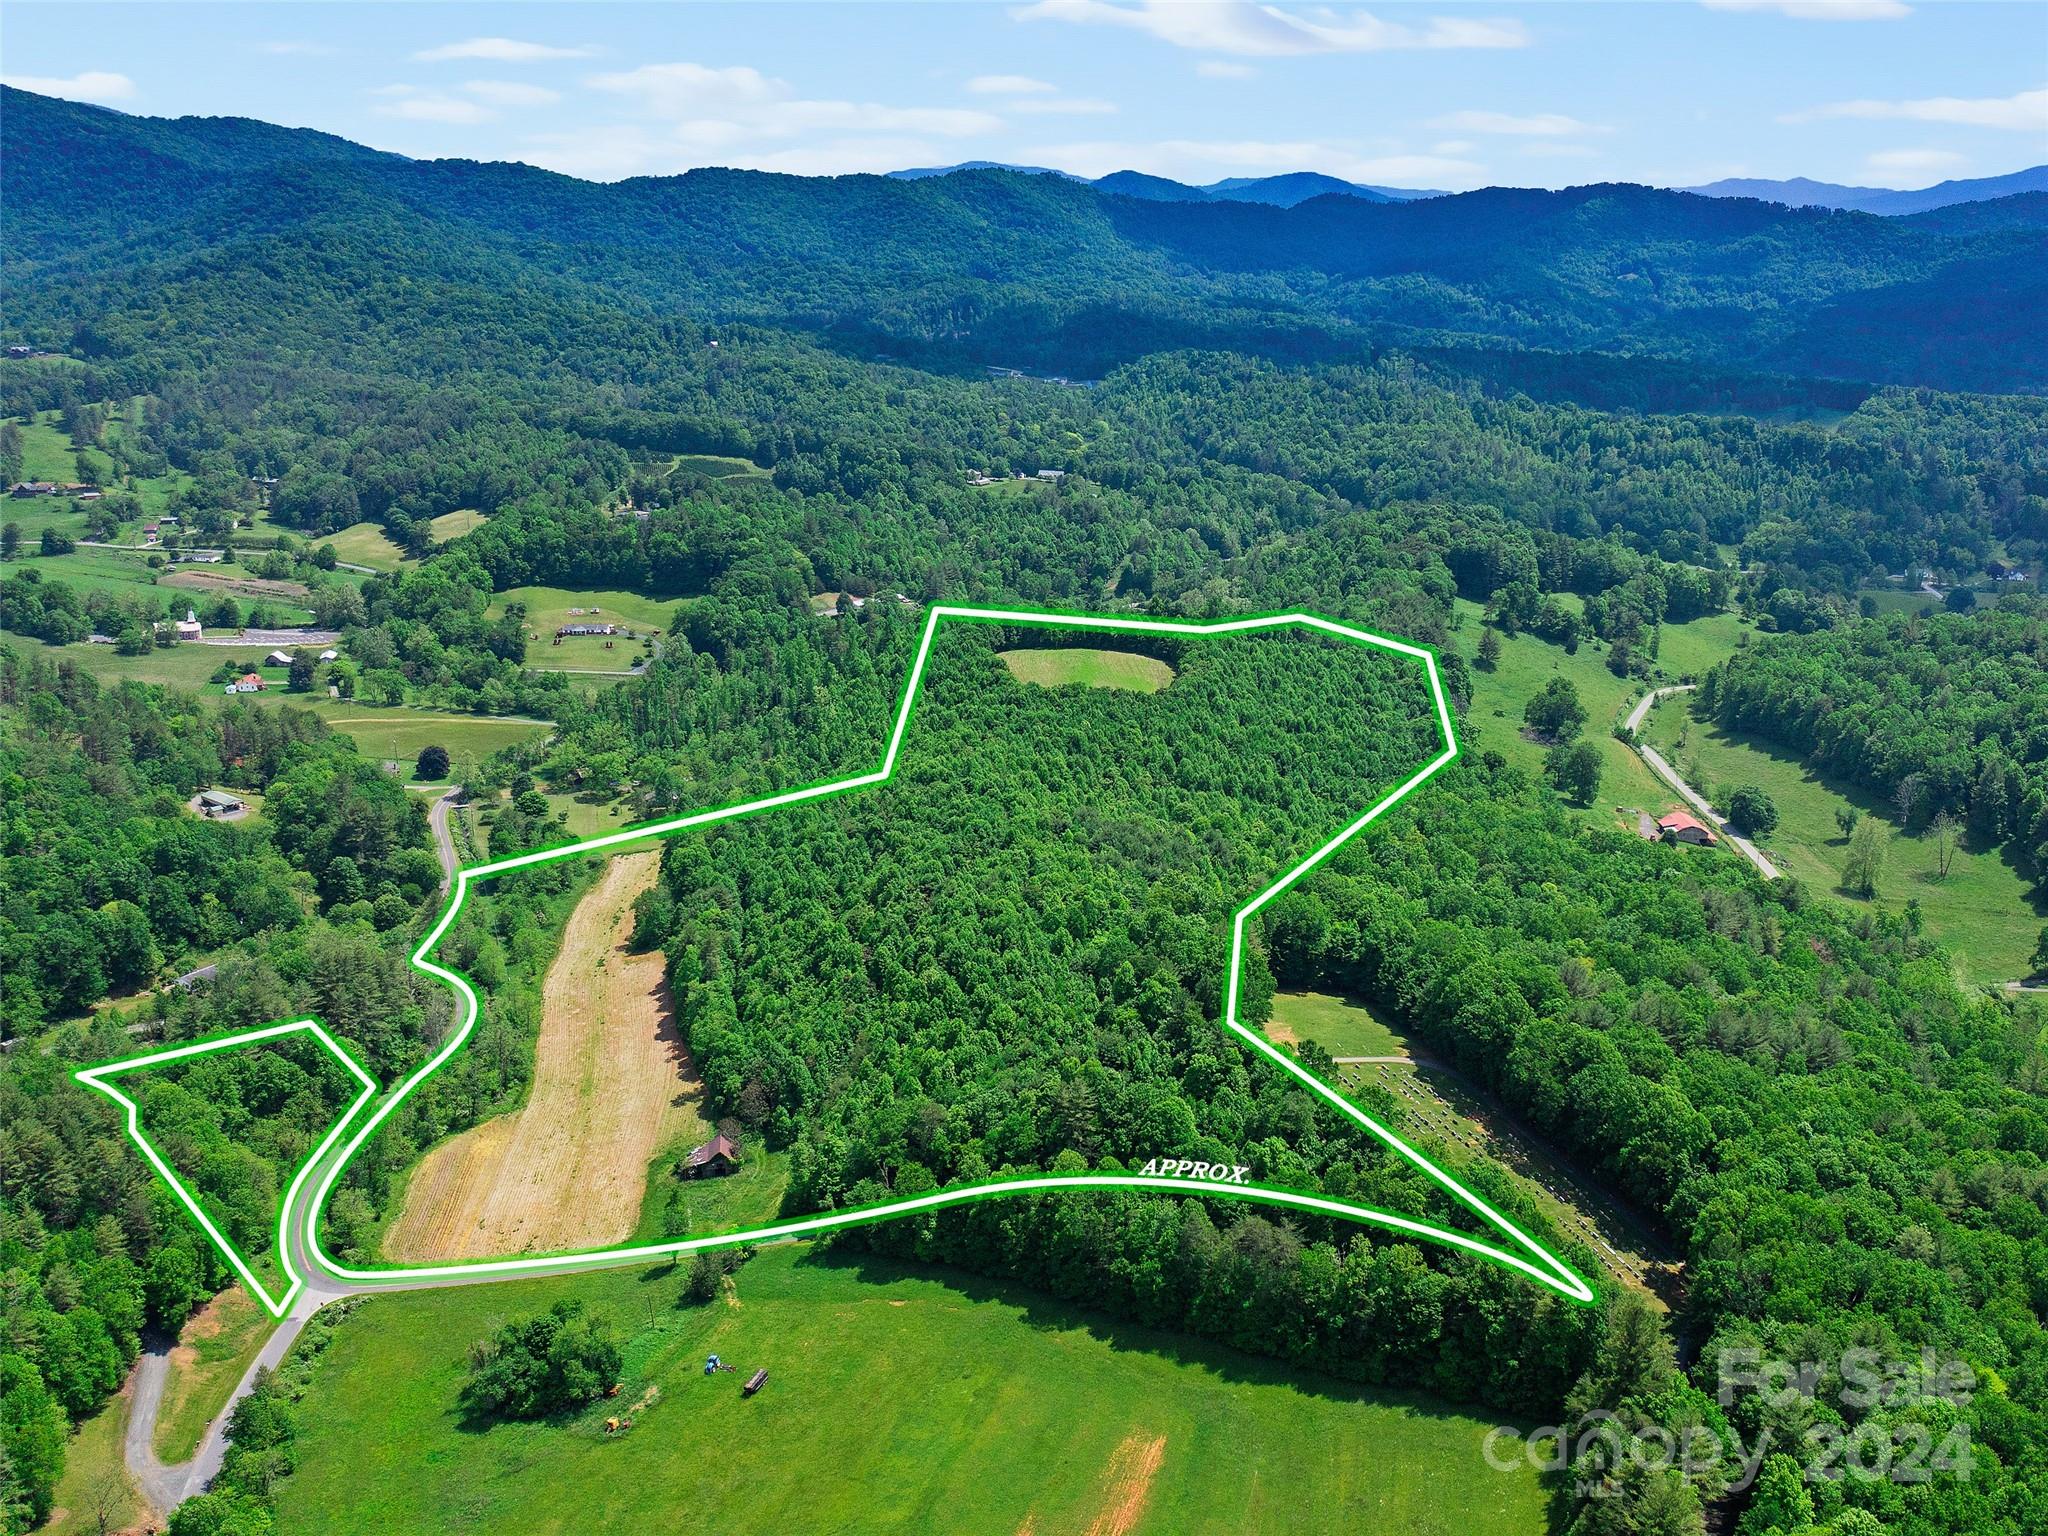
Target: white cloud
<point x="91" y="85"/>
<point x="2026" y="112"/>
<point x="1063" y="106"/>
<point x="501" y="50"/>
<point x="1270" y="31"/>
<point x="1453" y="147"/>
<point x="512" y="93"/>
<point x="717" y="107"/>
<point x="1202" y="160"/>
<point x="1820" y="10"/>
<point x="1218" y="69"/>
<point x="1914" y="162"/>
<point x="411" y="104"/>
<point x="1010" y="85"/>
<point x="1535" y="125"/>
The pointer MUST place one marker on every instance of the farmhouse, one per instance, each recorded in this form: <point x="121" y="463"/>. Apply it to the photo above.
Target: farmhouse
<point x="248" y="682"/>
<point x="218" y="802"/>
<point x="1678" y="827"/>
<point x="35" y="488"/>
<point x="19" y="352"/>
<point x="1052" y="474"/>
<point x="586" y="629"/>
<point x="716" y="1158"/>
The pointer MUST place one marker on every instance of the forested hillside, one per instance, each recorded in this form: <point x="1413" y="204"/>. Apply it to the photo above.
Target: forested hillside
<point x="1633" y="437"/>
<point x="999" y="267"/>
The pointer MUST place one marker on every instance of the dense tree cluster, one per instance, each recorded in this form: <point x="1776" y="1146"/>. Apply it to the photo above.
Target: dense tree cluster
<point x="535" y="1366"/>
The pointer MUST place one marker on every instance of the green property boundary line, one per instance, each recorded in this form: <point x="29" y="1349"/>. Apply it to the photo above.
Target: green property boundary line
<point x="1525" y="1256"/>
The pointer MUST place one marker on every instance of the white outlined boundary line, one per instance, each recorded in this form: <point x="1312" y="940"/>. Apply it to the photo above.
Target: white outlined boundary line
<point x="1545" y="1270"/>
<point x="97" y="1077"/>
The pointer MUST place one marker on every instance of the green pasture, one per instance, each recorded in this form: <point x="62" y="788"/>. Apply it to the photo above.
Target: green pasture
<point x="931" y="1403"/>
<point x="1342" y="1026"/>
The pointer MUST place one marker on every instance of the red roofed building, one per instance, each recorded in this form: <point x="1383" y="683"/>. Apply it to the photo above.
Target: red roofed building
<point x="1681" y="828"/>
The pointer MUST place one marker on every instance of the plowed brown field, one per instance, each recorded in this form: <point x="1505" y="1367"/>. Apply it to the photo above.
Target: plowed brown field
<point x="612" y="1085"/>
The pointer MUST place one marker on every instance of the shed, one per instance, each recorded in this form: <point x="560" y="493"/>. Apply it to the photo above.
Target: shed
<point x="218" y="802"/>
<point x="279" y="658"/>
<point x="716" y="1158"/>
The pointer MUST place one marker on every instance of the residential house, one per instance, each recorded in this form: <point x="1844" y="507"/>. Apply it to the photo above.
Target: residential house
<point x="1678" y="827"/>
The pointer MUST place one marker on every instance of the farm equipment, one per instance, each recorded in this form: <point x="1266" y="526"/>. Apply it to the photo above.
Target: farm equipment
<point x="713" y="1364"/>
<point x="755" y="1382"/>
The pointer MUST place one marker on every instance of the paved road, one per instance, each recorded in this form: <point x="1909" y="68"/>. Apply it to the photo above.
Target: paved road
<point x="1649" y="700"/>
<point x="1686" y="792"/>
<point x="163" y="1487"/>
<point x="444" y="841"/>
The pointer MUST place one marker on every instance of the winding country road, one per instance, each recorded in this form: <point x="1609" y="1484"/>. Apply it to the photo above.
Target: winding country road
<point x="1686" y="792"/>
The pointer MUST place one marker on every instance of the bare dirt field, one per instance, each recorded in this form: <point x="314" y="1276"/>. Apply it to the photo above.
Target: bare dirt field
<point x="612" y="1085"/>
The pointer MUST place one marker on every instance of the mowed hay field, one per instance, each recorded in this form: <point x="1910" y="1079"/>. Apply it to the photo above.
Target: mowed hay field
<point x="1055" y="667"/>
<point x="612" y="1086"/>
<point x="898" y="1400"/>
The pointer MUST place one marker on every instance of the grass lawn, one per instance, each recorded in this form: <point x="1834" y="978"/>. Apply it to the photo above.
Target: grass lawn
<point x="453" y="525"/>
<point x="86" y="570"/>
<point x="1892" y="600"/>
<point x="400" y="733"/>
<point x="719" y="467"/>
<point x="1493" y="720"/>
<point x="1341" y="1026"/>
<point x="900" y="1400"/>
<point x="46" y="452"/>
<point x="95" y="1483"/>
<point x="749" y="1197"/>
<point x="549" y="608"/>
<point x="1050" y="668"/>
<point x="214" y="1349"/>
<point x="1981" y="913"/>
<point x="365" y="544"/>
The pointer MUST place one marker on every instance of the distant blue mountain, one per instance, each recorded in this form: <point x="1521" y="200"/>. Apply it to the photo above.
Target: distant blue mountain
<point x="1285" y="191"/>
<point x="1802" y="193"/>
<point x="1282" y="191"/>
<point x="919" y="173"/>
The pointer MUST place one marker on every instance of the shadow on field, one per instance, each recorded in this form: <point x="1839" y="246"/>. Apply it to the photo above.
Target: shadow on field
<point x="1047" y="1313"/>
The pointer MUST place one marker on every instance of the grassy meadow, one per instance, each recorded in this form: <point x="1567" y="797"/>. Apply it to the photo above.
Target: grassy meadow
<point x="1981" y="913"/>
<point x="95" y="1495"/>
<point x="1342" y="1026"/>
<point x="453" y="525"/>
<point x="214" y="1349"/>
<point x="549" y="608"/>
<point x="1054" y="667"/>
<point x="936" y="1403"/>
<point x="365" y="544"/>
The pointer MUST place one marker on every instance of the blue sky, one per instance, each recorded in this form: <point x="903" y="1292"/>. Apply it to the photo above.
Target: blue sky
<point x="1877" y="92"/>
